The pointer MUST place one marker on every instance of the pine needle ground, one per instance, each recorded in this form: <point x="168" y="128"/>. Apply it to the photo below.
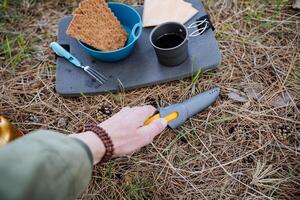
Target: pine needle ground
<point x="235" y="150"/>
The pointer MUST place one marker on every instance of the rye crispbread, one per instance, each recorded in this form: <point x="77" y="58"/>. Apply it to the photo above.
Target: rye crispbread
<point x="95" y="24"/>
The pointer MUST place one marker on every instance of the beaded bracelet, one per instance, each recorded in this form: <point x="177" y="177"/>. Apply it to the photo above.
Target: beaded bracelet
<point x="105" y="138"/>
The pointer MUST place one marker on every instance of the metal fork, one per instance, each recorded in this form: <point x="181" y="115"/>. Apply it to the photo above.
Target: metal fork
<point x="60" y="51"/>
<point x="98" y="76"/>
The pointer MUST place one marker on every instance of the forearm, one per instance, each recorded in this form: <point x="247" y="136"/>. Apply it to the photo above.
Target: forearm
<point x="50" y="165"/>
<point x="44" y="165"/>
<point x="94" y="143"/>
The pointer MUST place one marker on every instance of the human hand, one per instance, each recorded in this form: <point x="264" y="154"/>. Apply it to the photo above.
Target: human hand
<point x="127" y="130"/>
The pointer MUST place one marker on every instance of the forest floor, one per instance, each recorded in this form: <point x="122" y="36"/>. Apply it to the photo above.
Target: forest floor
<point x="246" y="146"/>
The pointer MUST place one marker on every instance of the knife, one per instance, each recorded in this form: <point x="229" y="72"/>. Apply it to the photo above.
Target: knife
<point x="177" y="114"/>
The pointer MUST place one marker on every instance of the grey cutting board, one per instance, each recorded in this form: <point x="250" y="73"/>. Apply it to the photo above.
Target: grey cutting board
<point x="140" y="69"/>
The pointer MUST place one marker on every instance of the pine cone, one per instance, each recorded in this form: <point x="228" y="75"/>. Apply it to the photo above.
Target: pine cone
<point x="104" y="112"/>
<point x="102" y="117"/>
<point x="283" y="132"/>
<point x="106" y="109"/>
<point x="239" y="133"/>
<point x="242" y="132"/>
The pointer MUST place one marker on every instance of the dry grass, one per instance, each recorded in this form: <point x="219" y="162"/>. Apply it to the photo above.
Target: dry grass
<point x="234" y="150"/>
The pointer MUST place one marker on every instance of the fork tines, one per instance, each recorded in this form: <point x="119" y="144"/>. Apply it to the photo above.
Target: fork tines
<point x="98" y="76"/>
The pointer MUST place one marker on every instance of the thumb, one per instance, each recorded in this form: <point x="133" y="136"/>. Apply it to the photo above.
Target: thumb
<point x="151" y="130"/>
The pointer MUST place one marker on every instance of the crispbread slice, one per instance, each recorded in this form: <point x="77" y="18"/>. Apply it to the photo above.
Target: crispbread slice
<point x="92" y="6"/>
<point x="94" y="24"/>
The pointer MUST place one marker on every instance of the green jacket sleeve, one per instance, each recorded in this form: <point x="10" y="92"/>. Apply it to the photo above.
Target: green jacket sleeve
<point x="44" y="165"/>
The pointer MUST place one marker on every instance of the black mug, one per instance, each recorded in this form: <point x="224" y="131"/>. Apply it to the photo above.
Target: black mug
<point x="170" y="41"/>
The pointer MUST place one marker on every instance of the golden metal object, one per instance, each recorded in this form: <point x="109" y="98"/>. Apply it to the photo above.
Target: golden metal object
<point x="8" y="132"/>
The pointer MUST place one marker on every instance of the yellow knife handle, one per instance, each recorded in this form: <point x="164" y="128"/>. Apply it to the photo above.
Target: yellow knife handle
<point x="169" y="117"/>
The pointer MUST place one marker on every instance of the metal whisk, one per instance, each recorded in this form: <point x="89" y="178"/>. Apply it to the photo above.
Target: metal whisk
<point x="60" y="51"/>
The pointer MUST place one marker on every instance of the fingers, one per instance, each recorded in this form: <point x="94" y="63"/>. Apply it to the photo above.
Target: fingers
<point x="142" y="113"/>
<point x="153" y="129"/>
<point x="136" y="116"/>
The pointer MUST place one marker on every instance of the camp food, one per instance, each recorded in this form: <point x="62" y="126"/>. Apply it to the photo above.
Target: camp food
<point x="131" y="22"/>
<point x="95" y="24"/>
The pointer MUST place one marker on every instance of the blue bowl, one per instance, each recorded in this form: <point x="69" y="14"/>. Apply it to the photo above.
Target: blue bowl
<point x="131" y="22"/>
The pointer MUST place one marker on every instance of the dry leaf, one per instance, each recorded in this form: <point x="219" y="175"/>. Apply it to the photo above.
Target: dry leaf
<point x="296" y="5"/>
<point x="236" y="97"/>
<point x="283" y="100"/>
<point x="253" y="90"/>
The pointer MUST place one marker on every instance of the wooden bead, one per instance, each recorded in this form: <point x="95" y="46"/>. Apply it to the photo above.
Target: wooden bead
<point x="102" y="134"/>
